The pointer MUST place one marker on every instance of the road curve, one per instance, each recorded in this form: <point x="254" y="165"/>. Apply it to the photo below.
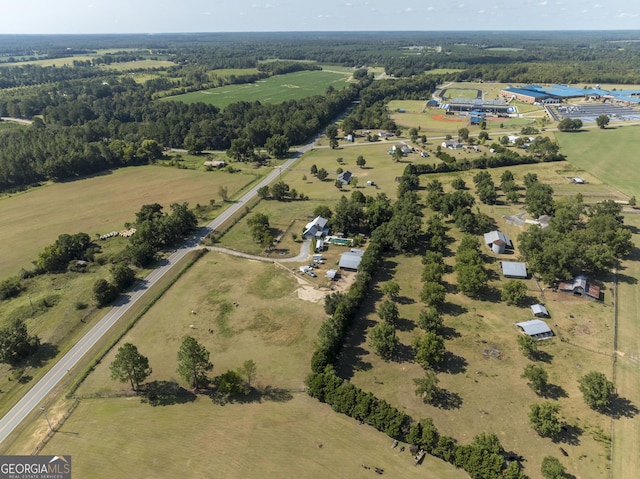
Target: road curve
<point x="39" y="391"/>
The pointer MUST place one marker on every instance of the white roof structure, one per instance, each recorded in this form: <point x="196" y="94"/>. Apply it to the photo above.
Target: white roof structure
<point x="351" y="259"/>
<point x="536" y="328"/>
<point x="331" y="274"/>
<point x="539" y="310"/>
<point x="497" y="237"/>
<point x="513" y="269"/>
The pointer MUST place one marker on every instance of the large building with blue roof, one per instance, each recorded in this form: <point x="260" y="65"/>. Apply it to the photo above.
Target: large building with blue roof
<point x="557" y="93"/>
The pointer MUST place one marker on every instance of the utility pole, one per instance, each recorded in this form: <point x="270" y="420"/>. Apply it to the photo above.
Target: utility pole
<point x="44" y="411"/>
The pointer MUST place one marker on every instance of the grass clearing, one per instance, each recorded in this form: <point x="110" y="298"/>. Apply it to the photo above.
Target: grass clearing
<point x="626" y="431"/>
<point x="276" y="89"/>
<point x="608" y="154"/>
<point x="295" y="438"/>
<point x="138" y="65"/>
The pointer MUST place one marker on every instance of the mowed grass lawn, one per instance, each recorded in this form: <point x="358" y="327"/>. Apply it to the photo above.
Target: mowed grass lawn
<point x="31" y="220"/>
<point x="609" y="154"/>
<point x="276" y="89"/>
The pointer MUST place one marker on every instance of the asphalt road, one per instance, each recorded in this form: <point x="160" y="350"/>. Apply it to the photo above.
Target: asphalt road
<point x="39" y="391"/>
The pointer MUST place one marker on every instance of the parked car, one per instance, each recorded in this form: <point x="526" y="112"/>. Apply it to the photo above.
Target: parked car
<point x="312" y="274"/>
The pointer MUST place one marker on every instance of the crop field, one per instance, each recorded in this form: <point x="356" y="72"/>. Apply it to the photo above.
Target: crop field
<point x="276" y="89"/>
<point x="609" y="154"/>
<point x="103" y="203"/>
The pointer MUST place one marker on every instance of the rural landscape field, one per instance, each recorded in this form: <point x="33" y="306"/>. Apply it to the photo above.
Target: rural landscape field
<point x="158" y="207"/>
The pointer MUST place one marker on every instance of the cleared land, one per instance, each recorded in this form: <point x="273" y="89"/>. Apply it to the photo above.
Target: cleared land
<point x="609" y="154"/>
<point x="275" y="437"/>
<point x="34" y="219"/>
<point x="296" y="438"/>
<point x="276" y="89"/>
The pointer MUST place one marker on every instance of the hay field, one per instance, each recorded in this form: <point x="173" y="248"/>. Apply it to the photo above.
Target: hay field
<point x="610" y="155"/>
<point x="276" y="89"/>
<point x="35" y="218"/>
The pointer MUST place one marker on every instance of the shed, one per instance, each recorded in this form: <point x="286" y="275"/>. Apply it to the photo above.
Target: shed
<point x="539" y="311"/>
<point x="536" y="328"/>
<point x="331" y="274"/>
<point x="351" y="260"/>
<point x="513" y="269"/>
<point x="580" y="286"/>
<point x="497" y="241"/>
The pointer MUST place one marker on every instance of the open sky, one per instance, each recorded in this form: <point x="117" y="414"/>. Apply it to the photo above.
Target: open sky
<point x="158" y="16"/>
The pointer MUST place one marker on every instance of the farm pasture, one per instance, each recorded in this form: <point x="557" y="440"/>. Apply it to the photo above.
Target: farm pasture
<point x="100" y="204"/>
<point x="276" y="89"/>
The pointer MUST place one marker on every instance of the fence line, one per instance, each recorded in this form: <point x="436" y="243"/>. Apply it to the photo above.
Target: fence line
<point x="55" y="428"/>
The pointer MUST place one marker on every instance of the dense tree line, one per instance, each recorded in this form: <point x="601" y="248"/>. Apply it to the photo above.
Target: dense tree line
<point x="109" y="126"/>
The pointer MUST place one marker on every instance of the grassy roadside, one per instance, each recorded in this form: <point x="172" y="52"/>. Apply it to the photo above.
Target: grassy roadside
<point x="93" y="356"/>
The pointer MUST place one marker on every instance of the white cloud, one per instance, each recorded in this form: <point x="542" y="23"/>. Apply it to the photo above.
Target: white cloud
<point x="430" y="9"/>
<point x="597" y="5"/>
<point x="544" y="3"/>
<point x="626" y="15"/>
<point x="408" y="10"/>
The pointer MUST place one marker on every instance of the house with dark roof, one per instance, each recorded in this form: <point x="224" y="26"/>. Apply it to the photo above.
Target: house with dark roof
<point x="316" y="228"/>
<point x="580" y="286"/>
<point x="345" y="177"/>
<point x="497" y="241"/>
<point x="536" y="328"/>
<point x="513" y="269"/>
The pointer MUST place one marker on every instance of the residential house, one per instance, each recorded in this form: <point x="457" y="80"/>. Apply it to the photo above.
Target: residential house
<point x="316" y="228"/>
<point x="345" y="177"/>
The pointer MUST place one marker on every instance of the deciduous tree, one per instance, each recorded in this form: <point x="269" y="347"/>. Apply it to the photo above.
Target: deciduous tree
<point x="597" y="390"/>
<point x="544" y="419"/>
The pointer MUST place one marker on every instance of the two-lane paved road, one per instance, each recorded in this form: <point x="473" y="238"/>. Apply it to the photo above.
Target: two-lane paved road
<point x="43" y="387"/>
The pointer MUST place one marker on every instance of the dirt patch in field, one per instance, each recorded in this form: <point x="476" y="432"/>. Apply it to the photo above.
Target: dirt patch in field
<point x="448" y="120"/>
<point x="309" y="293"/>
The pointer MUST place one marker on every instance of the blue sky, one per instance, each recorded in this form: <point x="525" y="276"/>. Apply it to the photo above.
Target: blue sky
<point x="156" y="16"/>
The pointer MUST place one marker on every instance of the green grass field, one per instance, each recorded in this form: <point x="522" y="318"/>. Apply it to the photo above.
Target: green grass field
<point x="292" y="86"/>
<point x="34" y="219"/>
<point x="607" y="154"/>
<point x="271" y="440"/>
<point x="271" y="326"/>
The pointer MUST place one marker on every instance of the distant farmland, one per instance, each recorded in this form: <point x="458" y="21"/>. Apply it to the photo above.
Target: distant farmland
<point x="292" y="86"/>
